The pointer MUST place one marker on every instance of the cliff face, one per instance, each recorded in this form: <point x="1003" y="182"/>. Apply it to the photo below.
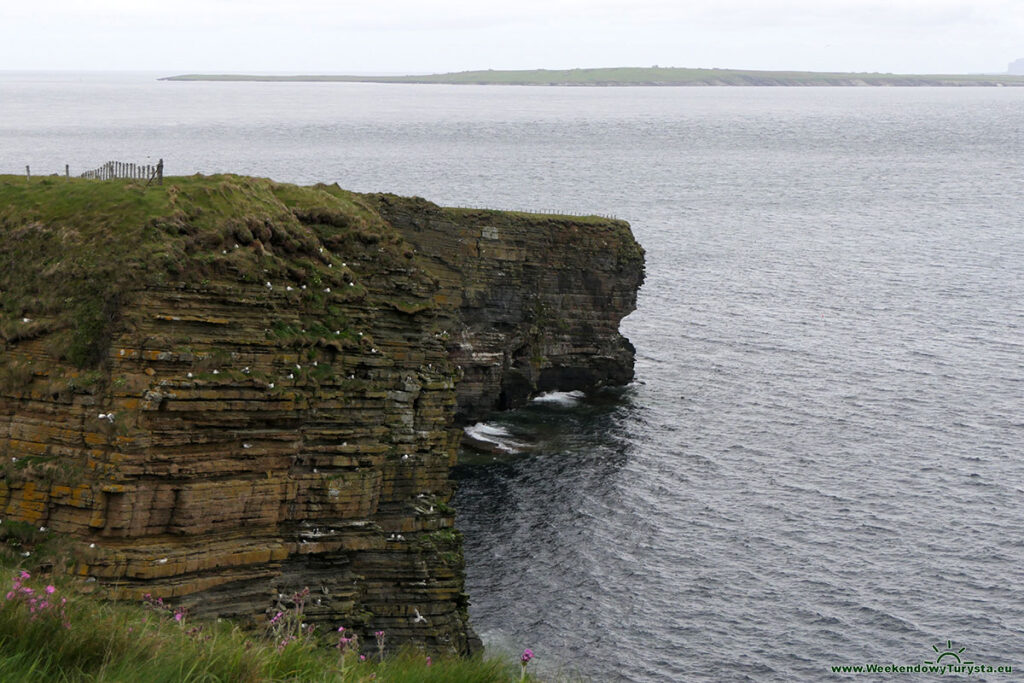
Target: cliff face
<point x="227" y="390"/>
<point x="537" y="299"/>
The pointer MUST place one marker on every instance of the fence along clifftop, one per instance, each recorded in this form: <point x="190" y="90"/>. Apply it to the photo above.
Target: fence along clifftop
<point x="120" y="169"/>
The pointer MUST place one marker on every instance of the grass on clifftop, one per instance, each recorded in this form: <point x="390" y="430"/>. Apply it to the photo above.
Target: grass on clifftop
<point x="51" y="632"/>
<point x="70" y="249"/>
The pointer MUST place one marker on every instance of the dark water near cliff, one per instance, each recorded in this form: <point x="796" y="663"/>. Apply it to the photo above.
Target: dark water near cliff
<point x="821" y="462"/>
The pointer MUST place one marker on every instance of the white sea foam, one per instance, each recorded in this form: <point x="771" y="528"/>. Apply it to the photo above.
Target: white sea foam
<point x="488" y="432"/>
<point x="560" y="398"/>
<point x="485" y="430"/>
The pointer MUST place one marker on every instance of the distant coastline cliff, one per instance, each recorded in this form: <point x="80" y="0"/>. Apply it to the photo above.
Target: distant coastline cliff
<point x="224" y="390"/>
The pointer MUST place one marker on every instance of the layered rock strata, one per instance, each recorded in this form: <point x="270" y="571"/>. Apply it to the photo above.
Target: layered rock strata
<point x="538" y="298"/>
<point x="239" y="389"/>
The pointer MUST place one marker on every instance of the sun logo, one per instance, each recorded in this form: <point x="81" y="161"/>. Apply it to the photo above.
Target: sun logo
<point x="948" y="652"/>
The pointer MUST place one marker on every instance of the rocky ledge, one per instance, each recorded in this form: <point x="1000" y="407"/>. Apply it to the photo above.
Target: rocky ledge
<point x="224" y="390"/>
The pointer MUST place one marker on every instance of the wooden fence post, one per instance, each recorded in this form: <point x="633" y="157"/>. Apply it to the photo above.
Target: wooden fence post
<point x="113" y="170"/>
<point x="28" y="174"/>
<point x="67" y="172"/>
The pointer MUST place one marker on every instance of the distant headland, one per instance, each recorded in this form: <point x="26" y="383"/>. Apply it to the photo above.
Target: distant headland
<point x="644" y="76"/>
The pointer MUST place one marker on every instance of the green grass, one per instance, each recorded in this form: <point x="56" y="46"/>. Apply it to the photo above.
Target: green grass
<point x="71" y="249"/>
<point x="659" y="76"/>
<point x="64" y="250"/>
<point x="77" y="637"/>
<point x="85" y="639"/>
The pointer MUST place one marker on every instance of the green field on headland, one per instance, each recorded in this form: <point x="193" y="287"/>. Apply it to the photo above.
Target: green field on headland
<point x="643" y="76"/>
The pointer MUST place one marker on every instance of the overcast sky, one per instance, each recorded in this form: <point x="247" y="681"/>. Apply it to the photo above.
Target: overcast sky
<point x="418" y="36"/>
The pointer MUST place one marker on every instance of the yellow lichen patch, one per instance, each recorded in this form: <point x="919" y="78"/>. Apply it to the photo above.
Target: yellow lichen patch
<point x="27" y="503"/>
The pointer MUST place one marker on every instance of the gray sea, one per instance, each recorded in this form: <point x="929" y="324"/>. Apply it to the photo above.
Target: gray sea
<point x="821" y="462"/>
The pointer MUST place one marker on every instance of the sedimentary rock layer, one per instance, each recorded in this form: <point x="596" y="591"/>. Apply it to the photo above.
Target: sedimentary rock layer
<point x="538" y="298"/>
<point x="226" y="390"/>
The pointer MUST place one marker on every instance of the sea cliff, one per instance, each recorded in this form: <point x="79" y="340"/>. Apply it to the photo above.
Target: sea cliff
<point x="537" y="299"/>
<point x="224" y="390"/>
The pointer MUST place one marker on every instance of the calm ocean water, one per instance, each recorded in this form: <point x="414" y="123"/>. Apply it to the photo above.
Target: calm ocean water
<point x="821" y="460"/>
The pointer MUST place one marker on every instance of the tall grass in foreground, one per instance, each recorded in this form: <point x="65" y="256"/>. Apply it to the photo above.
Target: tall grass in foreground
<point x="48" y="633"/>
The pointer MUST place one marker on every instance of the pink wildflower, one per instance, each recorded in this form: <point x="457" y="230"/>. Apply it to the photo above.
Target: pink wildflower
<point x="523" y="661"/>
<point x="50" y="590"/>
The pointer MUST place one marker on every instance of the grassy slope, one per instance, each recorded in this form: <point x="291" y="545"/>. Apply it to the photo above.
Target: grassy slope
<point x="69" y="249"/>
<point x="66" y="635"/>
<point x="640" y="76"/>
